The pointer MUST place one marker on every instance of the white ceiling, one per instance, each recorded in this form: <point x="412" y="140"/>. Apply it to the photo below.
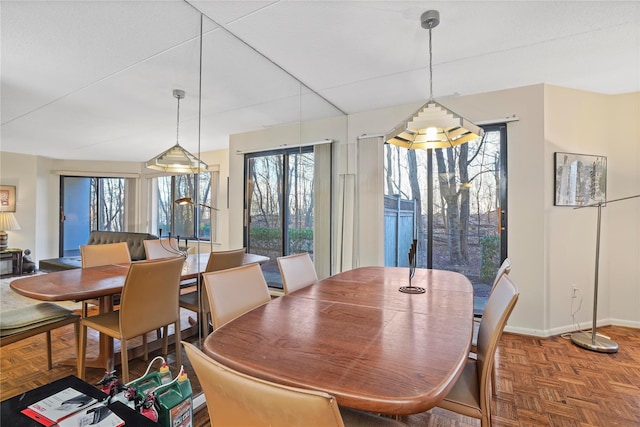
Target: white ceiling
<point x="94" y="79"/>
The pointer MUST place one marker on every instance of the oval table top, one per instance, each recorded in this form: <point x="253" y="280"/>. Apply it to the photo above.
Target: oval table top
<point x="95" y="282"/>
<point x="355" y="336"/>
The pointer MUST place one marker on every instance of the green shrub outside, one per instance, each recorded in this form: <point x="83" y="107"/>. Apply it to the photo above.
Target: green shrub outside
<point x="490" y="257"/>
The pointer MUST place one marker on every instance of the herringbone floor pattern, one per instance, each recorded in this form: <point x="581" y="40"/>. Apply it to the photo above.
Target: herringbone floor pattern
<point x="541" y="382"/>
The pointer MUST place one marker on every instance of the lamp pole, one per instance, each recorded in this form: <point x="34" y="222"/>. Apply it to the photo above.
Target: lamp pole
<point x="594" y="341"/>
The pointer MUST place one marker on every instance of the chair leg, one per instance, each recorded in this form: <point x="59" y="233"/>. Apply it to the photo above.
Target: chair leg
<point x="82" y="350"/>
<point x="178" y="340"/>
<point x="76" y="336"/>
<point x="204" y="323"/>
<point x="49" y="363"/>
<point x="124" y="360"/>
<point x="145" y="348"/>
<point x="165" y="341"/>
<point x="493" y="380"/>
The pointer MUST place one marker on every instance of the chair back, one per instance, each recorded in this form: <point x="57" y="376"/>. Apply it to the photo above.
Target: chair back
<point x="149" y="297"/>
<point x="105" y="254"/>
<point x="235" y="291"/>
<point x="161" y="248"/>
<point x="505" y="268"/>
<point x="236" y="399"/>
<point x="496" y="313"/>
<point x="297" y="271"/>
<point x="223" y="260"/>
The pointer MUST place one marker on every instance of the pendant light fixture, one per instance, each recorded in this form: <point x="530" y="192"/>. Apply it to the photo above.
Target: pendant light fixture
<point x="177" y="160"/>
<point x="433" y="125"/>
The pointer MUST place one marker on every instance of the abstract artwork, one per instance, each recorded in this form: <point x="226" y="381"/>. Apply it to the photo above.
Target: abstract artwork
<point x="580" y="179"/>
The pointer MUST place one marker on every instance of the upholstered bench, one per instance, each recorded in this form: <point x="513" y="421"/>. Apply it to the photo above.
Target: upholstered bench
<point x="25" y="322"/>
<point x="134" y="241"/>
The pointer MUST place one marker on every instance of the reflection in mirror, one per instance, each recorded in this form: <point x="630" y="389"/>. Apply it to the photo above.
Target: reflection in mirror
<point x="242" y="90"/>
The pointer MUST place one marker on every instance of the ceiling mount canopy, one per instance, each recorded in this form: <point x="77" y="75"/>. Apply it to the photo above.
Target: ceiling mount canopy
<point x="433" y="125"/>
<point x="176" y="159"/>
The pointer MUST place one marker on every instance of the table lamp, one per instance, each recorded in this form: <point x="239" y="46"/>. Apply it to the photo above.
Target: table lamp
<point x="8" y="222"/>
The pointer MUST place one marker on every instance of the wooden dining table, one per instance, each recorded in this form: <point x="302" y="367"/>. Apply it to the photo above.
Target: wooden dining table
<point x="356" y="337"/>
<point x="101" y="283"/>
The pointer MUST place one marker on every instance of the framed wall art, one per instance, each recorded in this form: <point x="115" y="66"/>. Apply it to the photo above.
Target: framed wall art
<point x="7" y="198"/>
<point x="580" y="179"/>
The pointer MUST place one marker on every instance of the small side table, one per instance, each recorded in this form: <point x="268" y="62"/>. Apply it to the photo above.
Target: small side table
<point x="15" y="255"/>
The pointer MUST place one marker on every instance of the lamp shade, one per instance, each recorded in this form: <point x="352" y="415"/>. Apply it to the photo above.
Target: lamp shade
<point x="177" y="160"/>
<point x="8" y="222"/>
<point x="433" y="126"/>
<point x="188" y="201"/>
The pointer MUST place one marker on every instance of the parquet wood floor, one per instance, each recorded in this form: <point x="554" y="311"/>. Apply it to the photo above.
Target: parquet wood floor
<point x="541" y="382"/>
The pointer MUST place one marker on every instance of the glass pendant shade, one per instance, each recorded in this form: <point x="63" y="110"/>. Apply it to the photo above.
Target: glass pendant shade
<point x="177" y="160"/>
<point x="433" y="126"/>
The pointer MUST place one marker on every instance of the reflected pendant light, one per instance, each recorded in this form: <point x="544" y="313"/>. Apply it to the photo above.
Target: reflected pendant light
<point x="433" y="125"/>
<point x="177" y="160"/>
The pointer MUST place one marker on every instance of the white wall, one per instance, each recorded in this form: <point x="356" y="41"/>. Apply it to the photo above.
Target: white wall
<point x="539" y="232"/>
<point x="24" y="172"/>
<point x="589" y="123"/>
<point x="551" y="247"/>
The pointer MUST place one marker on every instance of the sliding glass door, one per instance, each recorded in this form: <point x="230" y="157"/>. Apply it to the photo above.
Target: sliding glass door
<point x="86" y="204"/>
<point x="280" y="205"/>
<point x="453" y="202"/>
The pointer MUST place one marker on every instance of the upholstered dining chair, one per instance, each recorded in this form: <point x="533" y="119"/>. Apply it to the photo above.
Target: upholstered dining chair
<point x="149" y="300"/>
<point x="505" y="268"/>
<point x="471" y="394"/>
<point x="297" y="271"/>
<point x="220" y="260"/>
<point x="108" y="253"/>
<point x="236" y="399"/>
<point x="161" y="248"/>
<point x="235" y="291"/>
<point x="105" y="254"/>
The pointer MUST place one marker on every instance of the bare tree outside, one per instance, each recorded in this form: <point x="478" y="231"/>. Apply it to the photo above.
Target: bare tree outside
<point x="180" y="220"/>
<point x="465" y="203"/>
<point x="107" y="204"/>
<point x="280" y="194"/>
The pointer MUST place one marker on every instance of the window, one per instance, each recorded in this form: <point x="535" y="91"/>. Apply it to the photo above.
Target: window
<point x="187" y="221"/>
<point x="288" y="206"/>
<point x="87" y="204"/>
<point x="453" y="202"/>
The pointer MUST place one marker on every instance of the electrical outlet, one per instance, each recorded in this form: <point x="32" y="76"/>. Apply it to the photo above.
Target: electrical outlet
<point x="574" y="291"/>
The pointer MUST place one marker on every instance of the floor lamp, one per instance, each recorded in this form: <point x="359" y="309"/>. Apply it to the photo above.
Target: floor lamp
<point x="594" y="341"/>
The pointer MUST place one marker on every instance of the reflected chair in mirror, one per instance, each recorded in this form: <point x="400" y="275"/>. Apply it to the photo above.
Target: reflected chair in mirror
<point x="505" y="268"/>
<point x="237" y="399"/>
<point x="149" y="300"/>
<point x="297" y="271"/>
<point x="471" y="394"/>
<point x="235" y="291"/>
<point x="162" y="248"/>
<point x="220" y="260"/>
<point x="97" y="255"/>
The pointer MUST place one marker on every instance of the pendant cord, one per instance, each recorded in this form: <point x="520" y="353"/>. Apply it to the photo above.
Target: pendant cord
<point x="430" y="69"/>
<point x="178" y="124"/>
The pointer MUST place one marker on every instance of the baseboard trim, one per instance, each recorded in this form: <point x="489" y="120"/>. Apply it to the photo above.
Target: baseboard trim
<point x="571" y="328"/>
